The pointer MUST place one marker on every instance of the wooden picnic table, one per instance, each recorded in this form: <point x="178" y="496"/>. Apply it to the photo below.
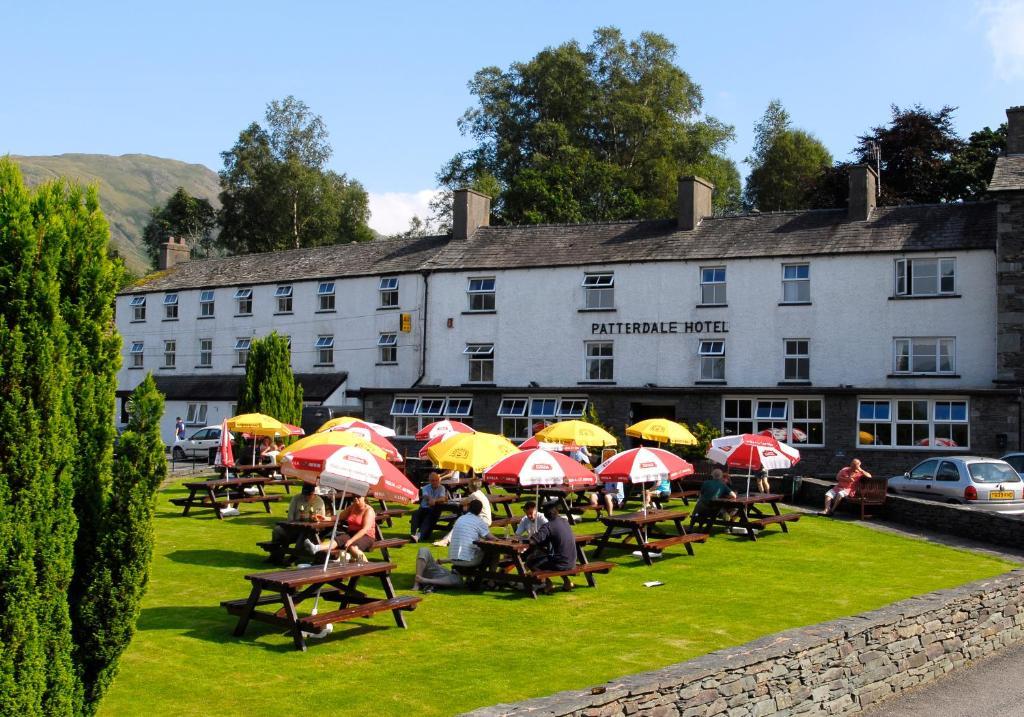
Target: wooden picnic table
<point x="338" y="583"/>
<point x="643" y="528"/>
<point x="747" y="515"/>
<point x="452" y="509"/>
<point x="203" y="494"/>
<point x="500" y="551"/>
<point x="559" y="493"/>
<point x="315" y="530"/>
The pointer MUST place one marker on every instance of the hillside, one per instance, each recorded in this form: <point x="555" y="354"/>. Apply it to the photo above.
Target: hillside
<point x="130" y="185"/>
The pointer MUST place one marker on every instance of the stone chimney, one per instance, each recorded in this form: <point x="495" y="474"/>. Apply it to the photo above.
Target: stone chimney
<point x="470" y="211"/>
<point x="1015" y="130"/>
<point x="694" y="201"/>
<point x="172" y="252"/>
<point x="863" y="193"/>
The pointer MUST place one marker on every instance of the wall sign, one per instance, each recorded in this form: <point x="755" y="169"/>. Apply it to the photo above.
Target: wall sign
<point x="660" y="327"/>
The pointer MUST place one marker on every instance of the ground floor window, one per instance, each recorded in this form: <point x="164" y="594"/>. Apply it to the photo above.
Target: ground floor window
<point x="800" y="421"/>
<point x="519" y="414"/>
<point x="411" y="413"/>
<point x="196" y="414"/>
<point x="916" y="422"/>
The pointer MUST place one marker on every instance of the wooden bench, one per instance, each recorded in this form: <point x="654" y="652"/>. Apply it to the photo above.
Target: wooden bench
<point x="870" y="492"/>
<point x="685" y="540"/>
<point x="767" y="520"/>
<point x="316" y="623"/>
<point x="585" y="569"/>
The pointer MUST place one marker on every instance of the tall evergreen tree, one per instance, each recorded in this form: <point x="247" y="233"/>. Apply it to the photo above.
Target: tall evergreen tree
<point x="270" y="386"/>
<point x="182" y="216"/>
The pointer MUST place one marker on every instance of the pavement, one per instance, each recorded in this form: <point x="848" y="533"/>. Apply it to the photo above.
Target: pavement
<point x="991" y="687"/>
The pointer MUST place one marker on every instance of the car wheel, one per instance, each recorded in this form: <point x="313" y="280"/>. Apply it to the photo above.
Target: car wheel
<point x="179" y="454"/>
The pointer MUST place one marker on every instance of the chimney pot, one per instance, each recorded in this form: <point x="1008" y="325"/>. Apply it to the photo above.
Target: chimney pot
<point x="172" y="252"/>
<point x="1015" y="130"/>
<point x="470" y="211"/>
<point x="863" y="192"/>
<point x="694" y="201"/>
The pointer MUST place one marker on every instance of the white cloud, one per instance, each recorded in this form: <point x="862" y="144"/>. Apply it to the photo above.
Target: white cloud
<point x="390" y="212"/>
<point x="1005" y="34"/>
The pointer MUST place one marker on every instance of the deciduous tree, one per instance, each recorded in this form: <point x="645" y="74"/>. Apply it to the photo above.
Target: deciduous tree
<point x="184" y="217"/>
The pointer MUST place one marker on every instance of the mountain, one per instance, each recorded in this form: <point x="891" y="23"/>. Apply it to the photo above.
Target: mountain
<point x="130" y="185"/>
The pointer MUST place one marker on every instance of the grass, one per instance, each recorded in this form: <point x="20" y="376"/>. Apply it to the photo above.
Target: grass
<point x="464" y="650"/>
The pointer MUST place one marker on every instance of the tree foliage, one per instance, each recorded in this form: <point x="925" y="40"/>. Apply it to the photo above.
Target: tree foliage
<point x="972" y="165"/>
<point x="784" y="163"/>
<point x="588" y="134"/>
<point x="185" y="217"/>
<point x="60" y="631"/>
<point x="276" y="192"/>
<point x="270" y="386"/>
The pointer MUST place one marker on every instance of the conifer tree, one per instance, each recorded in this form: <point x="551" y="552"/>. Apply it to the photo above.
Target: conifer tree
<point x="270" y="386"/>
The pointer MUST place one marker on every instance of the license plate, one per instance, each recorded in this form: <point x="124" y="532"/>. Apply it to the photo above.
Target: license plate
<point x="1001" y="495"/>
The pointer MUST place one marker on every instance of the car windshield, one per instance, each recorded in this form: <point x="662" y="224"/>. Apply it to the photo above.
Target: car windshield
<point x="993" y="473"/>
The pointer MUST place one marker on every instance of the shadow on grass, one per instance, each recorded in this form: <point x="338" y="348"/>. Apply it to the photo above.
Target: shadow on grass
<point x="218" y="558"/>
<point x="214" y="624"/>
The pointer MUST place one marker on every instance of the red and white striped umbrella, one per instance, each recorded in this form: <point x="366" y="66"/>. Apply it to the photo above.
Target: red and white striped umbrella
<point x="294" y="430"/>
<point x="225" y="454"/>
<point x="349" y="469"/>
<point x="753" y="452"/>
<point x="433" y="442"/>
<point x="643" y="465"/>
<point x="533" y="442"/>
<point x="437" y="428"/>
<point x="348" y="422"/>
<point x="537" y="468"/>
<point x="376" y="439"/>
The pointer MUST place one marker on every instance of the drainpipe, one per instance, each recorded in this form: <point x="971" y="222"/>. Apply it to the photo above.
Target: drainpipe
<point x="423" y="341"/>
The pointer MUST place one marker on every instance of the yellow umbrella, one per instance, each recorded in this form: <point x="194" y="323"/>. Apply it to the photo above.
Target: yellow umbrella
<point x="335" y="438"/>
<point x="579" y="432"/>
<point x="257" y="424"/>
<point x="463" y="451"/>
<point x="662" y="430"/>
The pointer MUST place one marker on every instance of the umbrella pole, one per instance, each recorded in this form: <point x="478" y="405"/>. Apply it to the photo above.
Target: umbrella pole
<point x="334" y="533"/>
<point x="750" y="468"/>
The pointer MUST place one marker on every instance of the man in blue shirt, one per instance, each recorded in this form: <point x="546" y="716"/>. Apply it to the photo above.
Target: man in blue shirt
<point x="433" y="496"/>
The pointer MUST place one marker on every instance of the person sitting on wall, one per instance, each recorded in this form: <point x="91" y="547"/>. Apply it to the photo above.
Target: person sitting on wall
<point x="712" y="489"/>
<point x="846" y="485"/>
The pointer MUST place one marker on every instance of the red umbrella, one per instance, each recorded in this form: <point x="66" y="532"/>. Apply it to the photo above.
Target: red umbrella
<point x="753" y="451"/>
<point x="643" y="465"/>
<point x="349" y="469"/>
<point x="225" y="454"/>
<point x="538" y="467"/>
<point x="294" y="430"/>
<point x="437" y="428"/>
<point x="376" y="439"/>
<point x="532" y="442"/>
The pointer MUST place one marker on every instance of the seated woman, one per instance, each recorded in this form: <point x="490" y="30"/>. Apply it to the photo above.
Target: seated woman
<point x="267" y="451"/>
<point x="660" y="493"/>
<point x="358" y="525"/>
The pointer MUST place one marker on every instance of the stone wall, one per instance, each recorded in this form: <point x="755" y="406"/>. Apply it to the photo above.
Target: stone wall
<point x="832" y="668"/>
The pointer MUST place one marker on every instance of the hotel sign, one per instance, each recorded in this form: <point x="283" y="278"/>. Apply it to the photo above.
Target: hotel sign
<point x="660" y="327"/>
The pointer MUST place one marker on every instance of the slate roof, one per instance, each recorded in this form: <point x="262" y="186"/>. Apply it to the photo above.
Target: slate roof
<point x="225" y="387"/>
<point x="1008" y="174"/>
<point x="939" y="227"/>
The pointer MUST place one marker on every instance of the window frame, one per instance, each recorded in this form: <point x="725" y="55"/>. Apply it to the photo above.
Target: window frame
<point x="324" y="346"/>
<point x="904" y="278"/>
<point x="207" y="303"/>
<point x="387" y="347"/>
<point x="481" y="294"/>
<point x="138" y="306"/>
<point x="171" y="306"/>
<point x="170" y="353"/>
<point x="805" y="414"/>
<point x="387" y="294"/>
<point x="712" y="360"/>
<point x="242" y="346"/>
<point x="481" y="362"/>
<point x="714" y="284"/>
<point x="138" y="353"/>
<point x="418" y="411"/>
<point x="911" y="355"/>
<point x="793" y="358"/>
<point x="195" y="414"/>
<point x="925" y="432"/>
<point x="243" y="301"/>
<point x="802" y="285"/>
<point x="594" y="363"/>
<point x="598" y="290"/>
<point x="208" y="363"/>
<point x="284" y="295"/>
<point x="326" y="293"/>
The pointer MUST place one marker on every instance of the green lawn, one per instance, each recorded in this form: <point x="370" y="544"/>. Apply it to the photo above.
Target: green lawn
<point x="465" y="650"/>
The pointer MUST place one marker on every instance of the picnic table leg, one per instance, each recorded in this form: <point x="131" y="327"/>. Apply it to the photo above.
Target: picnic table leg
<point x="378" y="535"/>
<point x="603" y="541"/>
<point x="387" y="520"/>
<point x="581" y="558"/>
<point x="681" y="528"/>
<point x="529" y="584"/>
<point x="564" y="506"/>
<point x="775" y="509"/>
<point x="213" y="501"/>
<point x="293" y="618"/>
<point x="188" y="502"/>
<point x="745" y="513"/>
<point x="643" y="546"/>
<point x="389" y="592"/>
<point x="250" y="606"/>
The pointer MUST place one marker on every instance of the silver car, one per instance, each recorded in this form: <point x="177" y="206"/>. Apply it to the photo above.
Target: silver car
<point x="962" y="479"/>
<point x="197" y="445"/>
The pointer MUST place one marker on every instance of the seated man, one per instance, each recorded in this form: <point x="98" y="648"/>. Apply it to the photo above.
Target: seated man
<point x="433" y="496"/>
<point x="846" y="485"/>
<point x="553" y="547"/>
<point x="530" y="522"/>
<point x="463" y="552"/>
<point x="476" y="493"/>
<point x="613" y="495"/>
<point x="711" y="490"/>
<point x="307" y="506"/>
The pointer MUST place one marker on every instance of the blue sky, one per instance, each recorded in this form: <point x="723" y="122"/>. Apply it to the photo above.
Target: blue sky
<point x="181" y="80"/>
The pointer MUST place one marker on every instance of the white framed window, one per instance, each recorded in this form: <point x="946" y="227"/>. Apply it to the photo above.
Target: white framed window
<point x="411" y="413"/>
<point x="544" y="409"/>
<point x="195" y="415"/>
<point x="571" y="407"/>
<point x="927" y="423"/>
<point x="598" y="360"/>
<point x="795" y="420"/>
<point x="712" y="360"/>
<point x="170" y="353"/>
<point x="206" y="303"/>
<point x="325" y="296"/>
<point x="403" y="414"/>
<point x="388" y="348"/>
<point x="712" y="285"/>
<point x="599" y="290"/>
<point x="925" y="277"/>
<point x="796" y="283"/>
<point x="170" y="307"/>
<point x="244" y="299"/>
<point x="512" y="408"/>
<point x="242" y="346"/>
<point x="432" y="407"/>
<point x="388" y="292"/>
<point x="136" y="352"/>
<point x="458" y="407"/>
<point x="481" y="293"/>
<point x="324" y="350"/>
<point x="138" y="304"/>
<point x="481" y="362"/>
<point x="283" y="294"/>
<point x="924" y="355"/>
<point x="205" y="353"/>
<point x="797" y="360"/>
